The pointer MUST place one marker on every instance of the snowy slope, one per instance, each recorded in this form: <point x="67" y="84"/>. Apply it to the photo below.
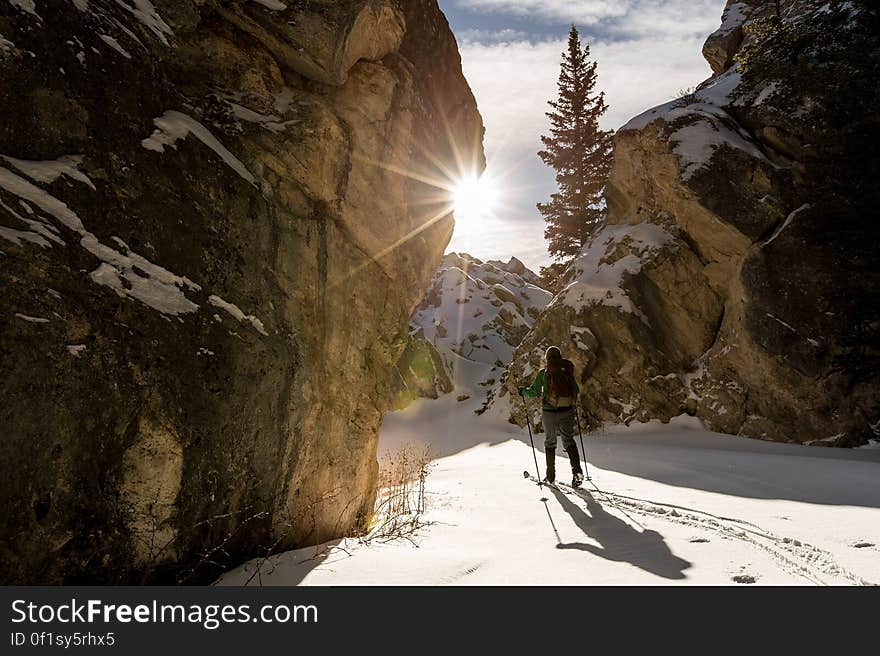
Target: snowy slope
<point x="474" y="314"/>
<point x="478" y="310"/>
<point x="678" y="505"/>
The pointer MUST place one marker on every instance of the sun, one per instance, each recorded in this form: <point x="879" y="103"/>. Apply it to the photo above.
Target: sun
<point x="474" y="199"/>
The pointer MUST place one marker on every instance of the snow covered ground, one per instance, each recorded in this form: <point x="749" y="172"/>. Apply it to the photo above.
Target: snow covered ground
<point x="677" y="505"/>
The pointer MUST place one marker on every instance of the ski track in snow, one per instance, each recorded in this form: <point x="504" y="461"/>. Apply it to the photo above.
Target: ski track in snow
<point x="458" y="576"/>
<point x="793" y="555"/>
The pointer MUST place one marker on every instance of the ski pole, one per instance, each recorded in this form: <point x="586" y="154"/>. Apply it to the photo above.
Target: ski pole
<point x="531" y="441"/>
<point x="577" y="416"/>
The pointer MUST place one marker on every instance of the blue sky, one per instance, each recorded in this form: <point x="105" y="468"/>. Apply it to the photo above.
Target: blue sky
<point x="647" y="50"/>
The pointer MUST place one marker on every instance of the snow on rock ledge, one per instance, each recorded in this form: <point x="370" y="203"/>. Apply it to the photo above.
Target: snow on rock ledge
<point x="615" y="251"/>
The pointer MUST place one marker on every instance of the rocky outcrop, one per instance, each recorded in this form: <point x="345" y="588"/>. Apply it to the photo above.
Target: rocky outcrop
<point x="204" y="295"/>
<point x="421" y="371"/>
<point x="735" y="276"/>
<point x="514" y="265"/>
<point x="721" y="46"/>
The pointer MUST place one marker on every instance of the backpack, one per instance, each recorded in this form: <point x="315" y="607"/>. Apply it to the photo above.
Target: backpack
<point x="560" y="387"/>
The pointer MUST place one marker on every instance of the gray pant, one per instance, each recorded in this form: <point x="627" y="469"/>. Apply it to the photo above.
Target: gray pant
<point x="558" y="422"/>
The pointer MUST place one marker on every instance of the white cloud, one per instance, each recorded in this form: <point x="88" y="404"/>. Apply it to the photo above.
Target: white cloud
<point x="584" y="12"/>
<point x="491" y="36"/>
<point x="513" y="80"/>
<point x="669" y="19"/>
<point x="624" y="17"/>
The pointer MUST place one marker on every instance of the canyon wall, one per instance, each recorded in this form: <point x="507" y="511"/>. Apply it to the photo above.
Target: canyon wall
<point x="216" y="217"/>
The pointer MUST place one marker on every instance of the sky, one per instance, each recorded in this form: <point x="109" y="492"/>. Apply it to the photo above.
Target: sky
<point x="647" y="51"/>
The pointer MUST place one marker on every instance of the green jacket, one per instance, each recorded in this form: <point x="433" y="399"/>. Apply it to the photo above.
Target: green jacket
<point x="539" y="388"/>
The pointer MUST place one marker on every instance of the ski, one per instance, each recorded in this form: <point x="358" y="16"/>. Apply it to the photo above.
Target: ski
<point x="587" y="479"/>
<point x="564" y="487"/>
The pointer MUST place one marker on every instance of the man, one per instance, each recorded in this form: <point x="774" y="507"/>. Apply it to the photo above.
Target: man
<point x="558" y="389"/>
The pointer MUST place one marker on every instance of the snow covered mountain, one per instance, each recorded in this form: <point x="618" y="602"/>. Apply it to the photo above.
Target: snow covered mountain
<point x="472" y="318"/>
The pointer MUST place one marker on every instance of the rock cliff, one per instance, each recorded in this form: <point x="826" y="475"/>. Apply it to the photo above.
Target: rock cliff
<point x="737" y="277"/>
<point x="212" y="233"/>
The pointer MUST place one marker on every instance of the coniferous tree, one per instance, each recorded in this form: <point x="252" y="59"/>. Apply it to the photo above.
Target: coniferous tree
<point x="579" y="151"/>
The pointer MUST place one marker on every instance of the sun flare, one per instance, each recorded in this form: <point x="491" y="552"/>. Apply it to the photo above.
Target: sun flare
<point x="474" y="199"/>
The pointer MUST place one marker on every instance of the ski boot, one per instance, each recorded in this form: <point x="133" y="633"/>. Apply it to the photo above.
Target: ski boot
<point x="550" y="477"/>
<point x="577" y="475"/>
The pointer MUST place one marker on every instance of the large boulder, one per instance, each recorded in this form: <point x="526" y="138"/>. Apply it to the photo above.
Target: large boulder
<point x="324" y="42"/>
<point x="736" y="276"/>
<point x="721" y="46"/>
<point x="204" y="295"/>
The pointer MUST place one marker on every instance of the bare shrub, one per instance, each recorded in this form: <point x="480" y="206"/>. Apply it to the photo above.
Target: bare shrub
<point x="285" y="526"/>
<point x="400" y="502"/>
<point x="216" y="557"/>
<point x="686" y="97"/>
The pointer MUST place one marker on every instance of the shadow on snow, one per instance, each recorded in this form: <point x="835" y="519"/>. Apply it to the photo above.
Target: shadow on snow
<point x="618" y="541"/>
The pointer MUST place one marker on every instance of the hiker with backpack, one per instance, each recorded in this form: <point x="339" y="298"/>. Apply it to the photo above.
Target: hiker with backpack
<point x="558" y="389"/>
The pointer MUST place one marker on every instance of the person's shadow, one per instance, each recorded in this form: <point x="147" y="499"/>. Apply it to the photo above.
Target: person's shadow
<point x="618" y="540"/>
